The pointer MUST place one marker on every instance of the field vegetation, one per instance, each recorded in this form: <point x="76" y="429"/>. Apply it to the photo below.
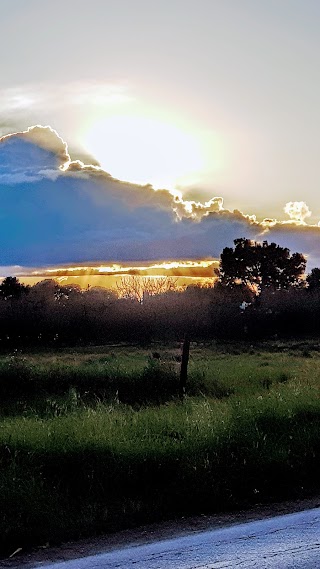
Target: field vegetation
<point x="96" y="439"/>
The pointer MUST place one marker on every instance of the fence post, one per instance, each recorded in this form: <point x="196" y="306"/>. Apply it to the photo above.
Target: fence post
<point x="184" y="367"/>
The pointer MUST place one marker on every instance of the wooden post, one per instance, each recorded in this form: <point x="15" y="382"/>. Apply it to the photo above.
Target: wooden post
<point x="184" y="367"/>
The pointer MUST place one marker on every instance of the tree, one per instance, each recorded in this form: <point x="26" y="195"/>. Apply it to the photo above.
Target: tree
<point x="313" y="280"/>
<point x="260" y="266"/>
<point x="11" y="288"/>
<point x="138" y="288"/>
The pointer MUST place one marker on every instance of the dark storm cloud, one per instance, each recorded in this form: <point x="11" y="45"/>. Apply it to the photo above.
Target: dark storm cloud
<point x="57" y="210"/>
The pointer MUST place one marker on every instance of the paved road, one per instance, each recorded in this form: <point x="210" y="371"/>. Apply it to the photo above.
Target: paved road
<point x="285" y="542"/>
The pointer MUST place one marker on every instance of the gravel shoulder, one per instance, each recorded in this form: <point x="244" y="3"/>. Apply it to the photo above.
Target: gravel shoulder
<point x="148" y="533"/>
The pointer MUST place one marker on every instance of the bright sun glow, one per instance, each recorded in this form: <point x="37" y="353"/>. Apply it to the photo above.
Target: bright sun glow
<point x="145" y="150"/>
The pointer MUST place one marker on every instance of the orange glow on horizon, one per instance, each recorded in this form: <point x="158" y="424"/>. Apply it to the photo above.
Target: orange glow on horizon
<point x="162" y="268"/>
<point x="108" y="276"/>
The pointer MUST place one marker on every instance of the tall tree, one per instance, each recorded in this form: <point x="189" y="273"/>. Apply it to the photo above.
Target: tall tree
<point x="260" y="265"/>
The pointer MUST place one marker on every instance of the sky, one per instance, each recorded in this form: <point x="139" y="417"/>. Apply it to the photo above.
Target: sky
<point x="167" y="129"/>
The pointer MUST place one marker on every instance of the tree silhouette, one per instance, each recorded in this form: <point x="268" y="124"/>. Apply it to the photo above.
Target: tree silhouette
<point x="313" y="280"/>
<point x="139" y="288"/>
<point x="12" y="288"/>
<point x="261" y="266"/>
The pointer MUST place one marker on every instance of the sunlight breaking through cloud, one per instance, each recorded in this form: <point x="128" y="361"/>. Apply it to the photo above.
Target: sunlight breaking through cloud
<point x="47" y="138"/>
<point x="62" y="210"/>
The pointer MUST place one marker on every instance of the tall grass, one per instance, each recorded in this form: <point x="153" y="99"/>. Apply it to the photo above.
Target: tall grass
<point x="83" y="466"/>
<point x="25" y="381"/>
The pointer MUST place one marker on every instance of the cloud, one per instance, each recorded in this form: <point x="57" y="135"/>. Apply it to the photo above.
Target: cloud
<point x="17" y="98"/>
<point x="57" y="210"/>
<point x="40" y="96"/>
<point x="297" y="211"/>
<point x="196" y="210"/>
<point x="31" y="155"/>
<point x="44" y="137"/>
<point x="25" y="104"/>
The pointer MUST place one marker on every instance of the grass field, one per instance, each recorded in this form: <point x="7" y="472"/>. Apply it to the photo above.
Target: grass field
<point x="96" y="440"/>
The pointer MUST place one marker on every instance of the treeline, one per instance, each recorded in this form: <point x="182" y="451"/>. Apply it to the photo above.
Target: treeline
<point x="50" y="315"/>
<point x="261" y="292"/>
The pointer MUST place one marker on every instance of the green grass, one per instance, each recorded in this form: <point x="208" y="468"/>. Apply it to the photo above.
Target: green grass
<point x="77" y="464"/>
